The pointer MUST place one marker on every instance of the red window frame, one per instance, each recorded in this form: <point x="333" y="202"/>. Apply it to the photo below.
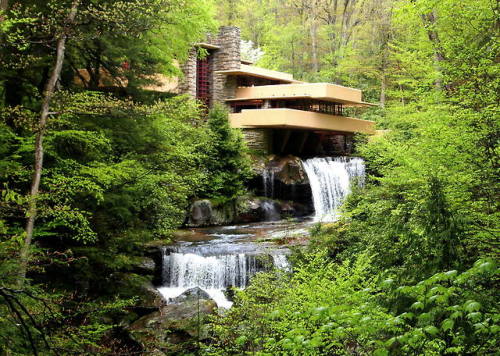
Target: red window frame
<point x="203" y="66"/>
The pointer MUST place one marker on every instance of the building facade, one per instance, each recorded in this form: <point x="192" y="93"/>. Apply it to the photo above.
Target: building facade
<point x="277" y="113"/>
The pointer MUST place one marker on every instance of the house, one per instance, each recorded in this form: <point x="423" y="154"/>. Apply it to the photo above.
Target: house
<point x="277" y="114"/>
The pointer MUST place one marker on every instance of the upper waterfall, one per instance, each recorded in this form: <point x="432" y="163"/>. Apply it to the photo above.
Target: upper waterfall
<point x="330" y="180"/>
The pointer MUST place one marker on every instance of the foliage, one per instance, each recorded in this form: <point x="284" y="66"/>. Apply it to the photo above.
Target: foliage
<point x="228" y="162"/>
<point x="411" y="267"/>
<point x="113" y="44"/>
<point x="431" y="205"/>
<point x="448" y="313"/>
<point x="326" y="308"/>
<point x="117" y="174"/>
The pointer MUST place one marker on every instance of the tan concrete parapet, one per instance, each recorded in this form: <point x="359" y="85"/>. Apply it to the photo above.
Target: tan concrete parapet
<point x="319" y="91"/>
<point x="253" y="71"/>
<point x="298" y="119"/>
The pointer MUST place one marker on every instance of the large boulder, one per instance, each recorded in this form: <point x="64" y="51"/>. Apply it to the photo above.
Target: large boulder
<point x="282" y="178"/>
<point x="249" y="210"/>
<point x="175" y="327"/>
<point x="253" y="209"/>
<point x="191" y="295"/>
<point x="288" y="170"/>
<point x="206" y="213"/>
<point x="201" y="213"/>
<point x="144" y="266"/>
<point x="149" y="297"/>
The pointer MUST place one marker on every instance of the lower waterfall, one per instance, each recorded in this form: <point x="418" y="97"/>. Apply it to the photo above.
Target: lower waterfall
<point x="330" y="180"/>
<point x="211" y="273"/>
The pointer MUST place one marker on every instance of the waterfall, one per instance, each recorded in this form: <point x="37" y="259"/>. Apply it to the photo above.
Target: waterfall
<point x="268" y="181"/>
<point x="213" y="273"/>
<point x="208" y="272"/>
<point x="270" y="211"/>
<point x="281" y="262"/>
<point x="330" y="180"/>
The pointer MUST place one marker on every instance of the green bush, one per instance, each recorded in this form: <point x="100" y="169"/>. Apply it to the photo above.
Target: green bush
<point x="341" y="309"/>
<point x="228" y="164"/>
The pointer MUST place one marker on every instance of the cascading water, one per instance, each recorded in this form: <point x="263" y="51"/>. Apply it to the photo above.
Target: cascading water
<point x="271" y="213"/>
<point x="268" y="181"/>
<point x="281" y="262"/>
<point x="213" y="274"/>
<point x="330" y="180"/>
<point x="212" y="267"/>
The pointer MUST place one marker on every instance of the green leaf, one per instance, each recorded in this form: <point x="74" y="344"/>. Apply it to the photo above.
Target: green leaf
<point x="388" y="282"/>
<point x="241" y="340"/>
<point x="390" y="342"/>
<point x="424" y="318"/>
<point x="451" y="273"/>
<point x="447" y="324"/>
<point x="380" y="352"/>
<point x="417" y="306"/>
<point x="487" y="266"/>
<point x="432" y="330"/>
<point x="472" y="306"/>
<point x="476" y="316"/>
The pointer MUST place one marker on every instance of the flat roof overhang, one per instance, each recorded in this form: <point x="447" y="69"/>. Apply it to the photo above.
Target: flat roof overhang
<point x="298" y="119"/>
<point x="318" y="91"/>
<point x="252" y="71"/>
<point x="206" y="45"/>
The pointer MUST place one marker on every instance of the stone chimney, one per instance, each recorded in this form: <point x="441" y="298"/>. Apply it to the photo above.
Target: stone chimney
<point x="226" y="57"/>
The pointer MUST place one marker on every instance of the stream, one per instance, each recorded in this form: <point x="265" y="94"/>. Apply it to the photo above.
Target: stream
<point x="217" y="258"/>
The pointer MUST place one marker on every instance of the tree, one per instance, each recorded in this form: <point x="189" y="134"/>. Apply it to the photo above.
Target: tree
<point x="42" y="124"/>
<point x="228" y="163"/>
<point x="73" y="23"/>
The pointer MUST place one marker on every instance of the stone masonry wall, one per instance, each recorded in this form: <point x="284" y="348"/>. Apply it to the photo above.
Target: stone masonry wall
<point x="187" y="85"/>
<point x="258" y="139"/>
<point x="228" y="57"/>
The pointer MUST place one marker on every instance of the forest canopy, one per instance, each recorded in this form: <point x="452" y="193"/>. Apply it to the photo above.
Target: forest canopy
<point x="95" y="170"/>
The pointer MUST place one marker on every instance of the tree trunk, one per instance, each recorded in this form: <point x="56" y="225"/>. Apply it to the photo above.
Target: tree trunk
<point x="429" y="23"/>
<point x="314" y="46"/>
<point x="4" y="5"/>
<point x="42" y="123"/>
<point x="382" y="89"/>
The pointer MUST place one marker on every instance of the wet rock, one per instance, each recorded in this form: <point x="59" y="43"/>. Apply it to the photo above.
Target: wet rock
<point x="144" y="266"/>
<point x="223" y="214"/>
<point x="205" y="213"/>
<point x="249" y="210"/>
<point x="296" y="202"/>
<point x="230" y="293"/>
<point x="190" y="295"/>
<point x="271" y="210"/>
<point x="282" y="178"/>
<point x="201" y="213"/>
<point x="154" y="254"/>
<point x="149" y="297"/>
<point x="294" y="209"/>
<point x="288" y="170"/>
<point x="174" y="328"/>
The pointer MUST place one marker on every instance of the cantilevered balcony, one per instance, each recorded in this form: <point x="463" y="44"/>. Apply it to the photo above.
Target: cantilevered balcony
<point x="317" y="91"/>
<point x="285" y="118"/>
